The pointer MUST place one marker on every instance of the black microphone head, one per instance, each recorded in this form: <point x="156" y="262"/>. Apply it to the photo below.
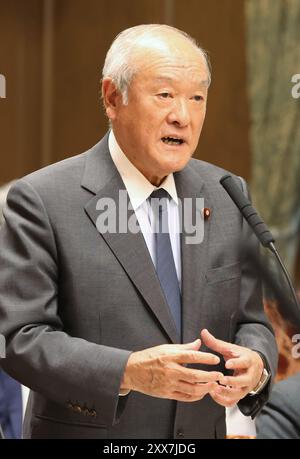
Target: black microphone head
<point x="234" y="192"/>
<point x="245" y="207"/>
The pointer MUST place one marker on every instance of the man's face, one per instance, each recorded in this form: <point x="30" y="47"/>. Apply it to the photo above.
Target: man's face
<point x="159" y="128"/>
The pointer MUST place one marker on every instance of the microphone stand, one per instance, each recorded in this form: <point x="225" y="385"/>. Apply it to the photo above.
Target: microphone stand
<point x="285" y="271"/>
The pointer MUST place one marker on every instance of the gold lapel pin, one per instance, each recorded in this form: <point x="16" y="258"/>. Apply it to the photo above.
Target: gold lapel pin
<point x="206" y="213"/>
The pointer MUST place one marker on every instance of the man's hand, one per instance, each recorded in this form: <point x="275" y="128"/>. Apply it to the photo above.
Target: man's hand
<point x="247" y="365"/>
<point x="160" y="372"/>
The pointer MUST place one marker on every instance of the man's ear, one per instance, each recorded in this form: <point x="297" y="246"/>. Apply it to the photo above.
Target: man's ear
<point x="111" y="98"/>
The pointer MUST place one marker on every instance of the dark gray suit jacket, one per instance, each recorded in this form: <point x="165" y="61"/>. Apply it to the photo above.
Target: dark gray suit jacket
<point x="75" y="303"/>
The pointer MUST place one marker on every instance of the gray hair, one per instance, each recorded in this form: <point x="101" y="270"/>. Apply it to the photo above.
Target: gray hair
<point x="118" y="64"/>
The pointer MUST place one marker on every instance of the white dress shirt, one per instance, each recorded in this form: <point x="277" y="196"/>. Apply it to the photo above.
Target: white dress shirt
<point x="139" y="189"/>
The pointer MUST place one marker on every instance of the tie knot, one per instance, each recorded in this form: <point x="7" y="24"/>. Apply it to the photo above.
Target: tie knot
<point x="158" y="201"/>
<point x="160" y="193"/>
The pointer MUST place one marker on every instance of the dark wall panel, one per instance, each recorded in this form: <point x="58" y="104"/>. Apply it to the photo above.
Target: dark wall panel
<point x="20" y="62"/>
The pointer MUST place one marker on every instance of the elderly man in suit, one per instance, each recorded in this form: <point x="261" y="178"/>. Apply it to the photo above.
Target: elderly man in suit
<point x="103" y="323"/>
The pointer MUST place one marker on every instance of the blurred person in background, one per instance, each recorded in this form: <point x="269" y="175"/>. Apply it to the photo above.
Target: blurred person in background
<point x="280" y="417"/>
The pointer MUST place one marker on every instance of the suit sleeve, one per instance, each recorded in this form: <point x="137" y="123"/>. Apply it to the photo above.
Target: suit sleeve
<point x="253" y="329"/>
<point x="65" y="369"/>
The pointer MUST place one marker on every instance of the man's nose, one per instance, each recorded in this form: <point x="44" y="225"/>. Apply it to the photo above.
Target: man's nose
<point x="179" y="114"/>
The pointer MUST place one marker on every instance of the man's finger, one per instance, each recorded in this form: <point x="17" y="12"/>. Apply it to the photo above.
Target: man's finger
<point x="242" y="362"/>
<point x="175" y="348"/>
<point x="194" y="357"/>
<point x="233" y="392"/>
<point x="197" y="394"/>
<point x="193" y="345"/>
<point x="228" y="396"/>
<point x="222" y="347"/>
<point x="196" y="390"/>
<point x="193" y="376"/>
<point x="224" y="401"/>
<point x="236" y="381"/>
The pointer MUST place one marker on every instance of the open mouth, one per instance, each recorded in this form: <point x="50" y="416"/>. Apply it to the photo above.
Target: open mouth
<point x="172" y="140"/>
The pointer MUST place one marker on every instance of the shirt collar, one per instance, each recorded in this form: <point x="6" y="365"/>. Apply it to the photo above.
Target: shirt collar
<point x="138" y="187"/>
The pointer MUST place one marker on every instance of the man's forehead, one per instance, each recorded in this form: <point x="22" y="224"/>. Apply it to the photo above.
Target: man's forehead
<point x="197" y="79"/>
<point x="171" y="61"/>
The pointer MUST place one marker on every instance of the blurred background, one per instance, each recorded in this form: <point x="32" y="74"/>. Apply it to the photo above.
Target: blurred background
<point x="51" y="56"/>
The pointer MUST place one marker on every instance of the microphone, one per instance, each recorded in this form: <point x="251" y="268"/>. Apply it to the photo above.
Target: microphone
<point x="249" y="213"/>
<point x="257" y="224"/>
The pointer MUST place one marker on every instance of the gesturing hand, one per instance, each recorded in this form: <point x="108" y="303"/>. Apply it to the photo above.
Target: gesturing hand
<point x="247" y="365"/>
<point x="160" y="372"/>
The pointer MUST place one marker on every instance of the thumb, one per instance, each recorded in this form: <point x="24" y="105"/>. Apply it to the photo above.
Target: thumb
<point x="217" y="345"/>
<point x="195" y="345"/>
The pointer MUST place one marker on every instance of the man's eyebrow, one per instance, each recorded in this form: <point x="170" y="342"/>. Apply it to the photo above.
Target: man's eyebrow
<point x="205" y="83"/>
<point x="161" y="79"/>
<point x="201" y="83"/>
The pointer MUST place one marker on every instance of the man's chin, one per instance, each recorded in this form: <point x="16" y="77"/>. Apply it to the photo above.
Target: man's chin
<point x="171" y="170"/>
<point x="177" y="166"/>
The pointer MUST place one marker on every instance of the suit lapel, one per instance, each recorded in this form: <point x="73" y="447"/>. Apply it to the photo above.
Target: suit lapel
<point x="130" y="249"/>
<point x="194" y="257"/>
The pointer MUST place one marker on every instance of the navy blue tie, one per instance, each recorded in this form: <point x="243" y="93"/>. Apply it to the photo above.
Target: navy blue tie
<point x="165" y="265"/>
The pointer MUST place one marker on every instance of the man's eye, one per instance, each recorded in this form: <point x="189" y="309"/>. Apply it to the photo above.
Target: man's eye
<point x="164" y="95"/>
<point x="198" y="98"/>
